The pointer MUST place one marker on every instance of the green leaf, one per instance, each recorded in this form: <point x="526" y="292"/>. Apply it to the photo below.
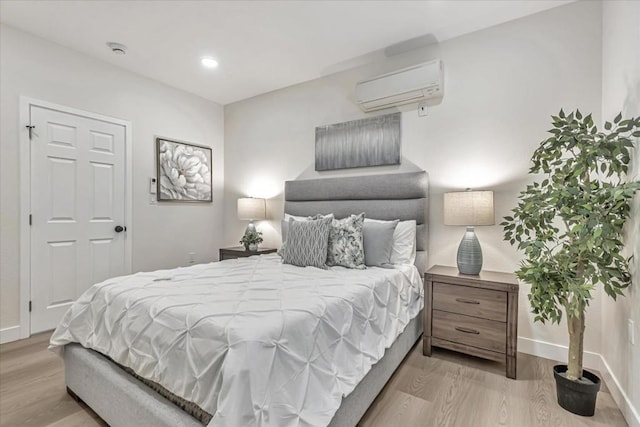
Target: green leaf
<point x="618" y="118"/>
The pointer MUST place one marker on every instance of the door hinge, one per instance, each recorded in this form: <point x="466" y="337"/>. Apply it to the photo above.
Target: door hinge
<point x="29" y="306"/>
<point x="30" y="219"/>
<point x="31" y="128"/>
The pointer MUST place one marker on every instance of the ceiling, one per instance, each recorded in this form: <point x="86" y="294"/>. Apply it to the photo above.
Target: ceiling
<point x="261" y="45"/>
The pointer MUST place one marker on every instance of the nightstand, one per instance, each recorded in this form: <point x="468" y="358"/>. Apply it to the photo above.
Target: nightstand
<point x="240" y="252"/>
<point x="476" y="315"/>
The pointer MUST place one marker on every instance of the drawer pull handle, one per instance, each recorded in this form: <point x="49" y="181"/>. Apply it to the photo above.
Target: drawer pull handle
<point x="467" y="301"/>
<point x="467" y="330"/>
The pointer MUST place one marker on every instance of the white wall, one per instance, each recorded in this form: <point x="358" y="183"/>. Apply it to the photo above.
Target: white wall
<point x="162" y="234"/>
<point x="501" y="86"/>
<point x="621" y="92"/>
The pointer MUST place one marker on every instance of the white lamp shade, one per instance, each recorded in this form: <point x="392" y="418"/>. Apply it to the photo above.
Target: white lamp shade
<point x="469" y="208"/>
<point x="250" y="208"/>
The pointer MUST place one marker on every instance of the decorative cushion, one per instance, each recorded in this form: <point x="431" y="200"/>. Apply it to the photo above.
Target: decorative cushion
<point x="346" y="242"/>
<point x="307" y="243"/>
<point x="378" y="243"/>
<point x="284" y="223"/>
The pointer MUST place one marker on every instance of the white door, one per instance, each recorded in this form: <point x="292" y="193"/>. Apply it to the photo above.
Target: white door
<point x="77" y="201"/>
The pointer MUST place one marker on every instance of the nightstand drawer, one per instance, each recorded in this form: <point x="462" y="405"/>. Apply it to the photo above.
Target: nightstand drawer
<point x="487" y="334"/>
<point x="476" y="302"/>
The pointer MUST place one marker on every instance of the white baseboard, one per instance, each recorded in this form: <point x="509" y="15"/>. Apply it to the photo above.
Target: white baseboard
<point x="620" y="397"/>
<point x="557" y="352"/>
<point x="591" y="360"/>
<point x="9" y="334"/>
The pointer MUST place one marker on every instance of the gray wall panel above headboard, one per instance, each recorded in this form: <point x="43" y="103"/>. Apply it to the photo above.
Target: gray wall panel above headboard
<point x="412" y="185"/>
<point x="401" y="196"/>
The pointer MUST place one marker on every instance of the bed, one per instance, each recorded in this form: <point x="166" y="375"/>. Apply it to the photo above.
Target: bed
<point x="121" y="398"/>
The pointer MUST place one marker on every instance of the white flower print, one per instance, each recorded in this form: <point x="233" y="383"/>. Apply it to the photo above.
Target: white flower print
<point x="185" y="172"/>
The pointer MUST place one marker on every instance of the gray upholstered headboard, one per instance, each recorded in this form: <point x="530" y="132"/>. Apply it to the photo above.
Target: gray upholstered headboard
<point x="401" y="196"/>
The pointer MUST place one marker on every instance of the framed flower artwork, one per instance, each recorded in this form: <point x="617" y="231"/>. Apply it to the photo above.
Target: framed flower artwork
<point x="184" y="171"/>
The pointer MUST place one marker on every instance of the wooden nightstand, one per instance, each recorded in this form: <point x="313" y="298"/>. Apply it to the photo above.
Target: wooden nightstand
<point x="240" y="252"/>
<point x="477" y="315"/>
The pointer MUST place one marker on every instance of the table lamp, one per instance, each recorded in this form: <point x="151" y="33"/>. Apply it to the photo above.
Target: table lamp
<point x="251" y="209"/>
<point x="469" y="208"/>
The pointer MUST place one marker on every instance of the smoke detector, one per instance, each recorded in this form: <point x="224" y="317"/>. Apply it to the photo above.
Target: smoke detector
<point x="117" y="48"/>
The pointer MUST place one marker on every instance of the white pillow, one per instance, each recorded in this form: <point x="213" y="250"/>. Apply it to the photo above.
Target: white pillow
<point x="287" y="217"/>
<point x="403" y="250"/>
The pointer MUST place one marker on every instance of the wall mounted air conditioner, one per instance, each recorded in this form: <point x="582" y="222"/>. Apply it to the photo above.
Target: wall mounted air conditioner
<point x="411" y="84"/>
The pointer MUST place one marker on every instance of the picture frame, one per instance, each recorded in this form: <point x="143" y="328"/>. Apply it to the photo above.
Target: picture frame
<point x="184" y="171"/>
<point x="372" y="141"/>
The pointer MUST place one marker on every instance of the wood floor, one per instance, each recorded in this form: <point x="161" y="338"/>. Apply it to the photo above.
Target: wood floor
<point x="447" y="389"/>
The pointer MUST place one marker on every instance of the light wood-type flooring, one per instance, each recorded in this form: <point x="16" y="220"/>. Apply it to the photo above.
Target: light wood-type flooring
<point x="448" y="389"/>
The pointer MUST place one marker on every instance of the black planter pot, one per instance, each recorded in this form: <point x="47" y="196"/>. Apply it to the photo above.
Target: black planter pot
<point x="577" y="397"/>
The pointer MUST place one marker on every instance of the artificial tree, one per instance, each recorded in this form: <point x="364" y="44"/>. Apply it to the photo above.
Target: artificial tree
<point x="569" y="223"/>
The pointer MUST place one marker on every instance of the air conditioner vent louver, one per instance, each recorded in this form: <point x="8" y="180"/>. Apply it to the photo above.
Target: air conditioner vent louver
<point x="412" y="84"/>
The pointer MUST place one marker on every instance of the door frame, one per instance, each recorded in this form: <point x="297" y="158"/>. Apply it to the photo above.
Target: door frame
<point x="25" y="195"/>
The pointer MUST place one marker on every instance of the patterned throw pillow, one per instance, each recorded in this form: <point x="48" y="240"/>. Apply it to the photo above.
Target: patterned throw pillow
<point x="346" y="244"/>
<point x="307" y="243"/>
<point x="284" y="224"/>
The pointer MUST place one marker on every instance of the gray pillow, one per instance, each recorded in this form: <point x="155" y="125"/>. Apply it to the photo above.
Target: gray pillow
<point x="307" y="242"/>
<point x="346" y="246"/>
<point x="378" y="243"/>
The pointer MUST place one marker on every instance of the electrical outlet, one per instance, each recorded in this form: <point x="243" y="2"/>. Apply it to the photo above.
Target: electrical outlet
<point x="191" y="258"/>
<point x="632" y="332"/>
<point x="422" y="109"/>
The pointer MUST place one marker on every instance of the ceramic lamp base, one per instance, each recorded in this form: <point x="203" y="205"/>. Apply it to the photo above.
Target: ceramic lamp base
<point x="250" y="228"/>
<point x="469" y="253"/>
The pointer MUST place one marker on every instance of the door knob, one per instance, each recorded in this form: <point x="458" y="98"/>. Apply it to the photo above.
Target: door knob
<point x="120" y="229"/>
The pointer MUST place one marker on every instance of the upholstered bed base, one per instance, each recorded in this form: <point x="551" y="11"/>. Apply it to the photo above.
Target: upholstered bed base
<point x="117" y="397"/>
<point x="122" y="400"/>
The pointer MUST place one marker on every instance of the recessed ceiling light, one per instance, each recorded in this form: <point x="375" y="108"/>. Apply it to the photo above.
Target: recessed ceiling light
<point x="117" y="48"/>
<point x="209" y="62"/>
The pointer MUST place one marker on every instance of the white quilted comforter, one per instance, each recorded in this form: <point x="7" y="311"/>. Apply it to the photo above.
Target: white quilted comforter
<point x="252" y="341"/>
